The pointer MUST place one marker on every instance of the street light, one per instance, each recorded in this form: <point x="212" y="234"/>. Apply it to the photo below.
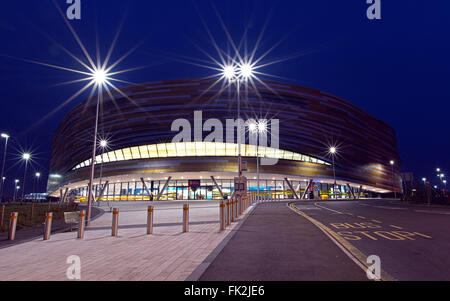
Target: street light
<point x="256" y="128"/>
<point x="236" y="74"/>
<point x="6" y="137"/>
<point x="16" y="187"/>
<point x="26" y="157"/>
<point x="103" y="145"/>
<point x="393" y="179"/>
<point x="100" y="77"/>
<point x="332" y="152"/>
<point x="36" y="180"/>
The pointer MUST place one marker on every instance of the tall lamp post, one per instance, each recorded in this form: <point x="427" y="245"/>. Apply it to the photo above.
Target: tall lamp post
<point x="237" y="75"/>
<point x="26" y="157"/>
<point x="100" y="77"/>
<point x="393" y="179"/>
<point x="257" y="128"/>
<point x="103" y="146"/>
<point x="333" y="151"/>
<point x="37" y="176"/>
<point x="6" y="137"/>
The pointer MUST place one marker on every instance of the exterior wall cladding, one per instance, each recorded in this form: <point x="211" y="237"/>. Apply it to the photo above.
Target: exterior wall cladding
<point x="309" y="121"/>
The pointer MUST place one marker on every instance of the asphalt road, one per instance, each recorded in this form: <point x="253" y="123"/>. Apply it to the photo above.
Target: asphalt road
<point x="412" y="242"/>
<point x="277" y="244"/>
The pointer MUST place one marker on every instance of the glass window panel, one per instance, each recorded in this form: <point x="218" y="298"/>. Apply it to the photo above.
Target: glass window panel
<point x="210" y="149"/>
<point x="190" y="149"/>
<point x="297" y="157"/>
<point x="270" y="152"/>
<point x="98" y="160"/>
<point x="313" y="160"/>
<point x="152" y="151"/>
<point x="278" y="153"/>
<point x="127" y="154"/>
<point x="171" y="150"/>
<point x="288" y="155"/>
<point x="200" y="148"/>
<point x="231" y="149"/>
<point x="144" y="151"/>
<point x="220" y="149"/>
<point x="181" y="149"/>
<point x="262" y="151"/>
<point x="251" y="150"/>
<point x="162" y="152"/>
<point x="112" y="156"/>
<point x="135" y="152"/>
<point x="119" y="155"/>
<point x="104" y="157"/>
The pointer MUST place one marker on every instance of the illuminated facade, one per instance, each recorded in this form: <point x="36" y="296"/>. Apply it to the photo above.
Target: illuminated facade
<point x="141" y="148"/>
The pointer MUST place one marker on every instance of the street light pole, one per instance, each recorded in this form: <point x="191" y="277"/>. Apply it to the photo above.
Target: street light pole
<point x="15" y="189"/>
<point x="94" y="148"/>
<point x="332" y="151"/>
<point x="26" y="157"/>
<point x="3" y="164"/>
<point x="393" y="179"/>
<point x="103" y="145"/>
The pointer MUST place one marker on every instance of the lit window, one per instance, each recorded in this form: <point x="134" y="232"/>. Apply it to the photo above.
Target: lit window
<point x="135" y="152"/>
<point x="190" y="149"/>
<point x="200" y="148"/>
<point x="152" y="151"/>
<point x="171" y="150"/>
<point x="112" y="156"/>
<point x="220" y="149"/>
<point x="127" y="154"/>
<point x="181" y="149"/>
<point x="119" y="155"/>
<point x="162" y="152"/>
<point x="144" y="152"/>
<point x="210" y="149"/>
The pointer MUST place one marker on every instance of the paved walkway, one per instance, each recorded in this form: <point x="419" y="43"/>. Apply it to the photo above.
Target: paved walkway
<point x="276" y="244"/>
<point x="168" y="254"/>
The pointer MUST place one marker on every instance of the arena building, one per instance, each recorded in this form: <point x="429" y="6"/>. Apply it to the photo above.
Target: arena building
<point x="144" y="155"/>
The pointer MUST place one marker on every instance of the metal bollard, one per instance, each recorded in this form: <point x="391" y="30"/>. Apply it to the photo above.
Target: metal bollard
<point x="115" y="222"/>
<point x="228" y="214"/>
<point x="233" y="215"/>
<point x="222" y="216"/>
<point x="82" y="217"/>
<point x="12" y="225"/>
<point x="150" y="220"/>
<point x="236" y="209"/>
<point x="48" y="225"/>
<point x="186" y="218"/>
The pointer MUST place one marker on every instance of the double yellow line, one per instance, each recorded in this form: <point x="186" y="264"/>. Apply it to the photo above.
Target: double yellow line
<point x="351" y="251"/>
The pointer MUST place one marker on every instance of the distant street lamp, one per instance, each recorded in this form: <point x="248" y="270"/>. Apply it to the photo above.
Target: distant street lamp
<point x="16" y="188"/>
<point x="103" y="145"/>
<point x="26" y="157"/>
<point x="36" y="181"/>
<point x="6" y="137"/>
<point x="393" y="179"/>
<point x="332" y="152"/>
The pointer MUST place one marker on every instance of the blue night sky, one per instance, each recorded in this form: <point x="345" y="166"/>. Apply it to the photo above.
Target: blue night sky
<point x="397" y="68"/>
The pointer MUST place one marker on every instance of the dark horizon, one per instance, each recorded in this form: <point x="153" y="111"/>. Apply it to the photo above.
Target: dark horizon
<point x="391" y="68"/>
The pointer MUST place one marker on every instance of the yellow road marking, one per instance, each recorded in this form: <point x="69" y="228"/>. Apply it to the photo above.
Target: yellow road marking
<point x="351" y="251"/>
<point x="376" y="221"/>
<point x="396" y="227"/>
<point x="361" y="217"/>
